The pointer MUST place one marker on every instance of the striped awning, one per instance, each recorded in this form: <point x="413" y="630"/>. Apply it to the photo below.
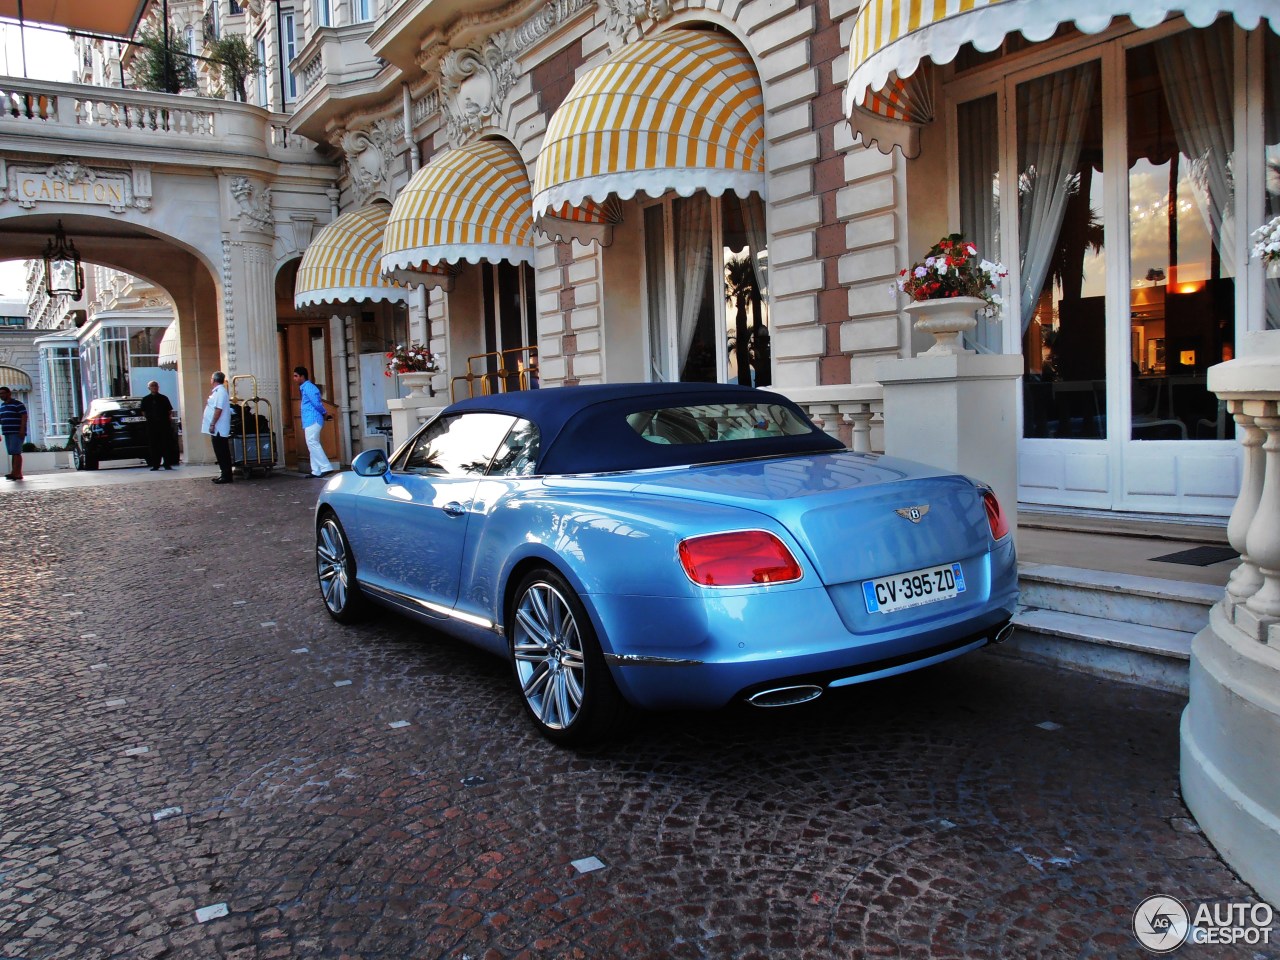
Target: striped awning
<point x="680" y="111"/>
<point x="469" y="204"/>
<point x="892" y="37"/>
<point x="15" y="379"/>
<point x="342" y="262"/>
<point x="168" y="358"/>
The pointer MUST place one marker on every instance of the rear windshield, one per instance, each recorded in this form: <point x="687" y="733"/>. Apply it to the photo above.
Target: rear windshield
<point x="714" y="422"/>
<point x="114" y="404"/>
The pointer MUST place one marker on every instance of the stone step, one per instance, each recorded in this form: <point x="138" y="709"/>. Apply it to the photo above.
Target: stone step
<point x="1122" y="626"/>
<point x="1125" y="598"/>
<point x="1135" y="653"/>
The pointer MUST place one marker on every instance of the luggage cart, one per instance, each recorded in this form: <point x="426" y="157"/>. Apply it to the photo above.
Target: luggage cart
<point x="253" y="445"/>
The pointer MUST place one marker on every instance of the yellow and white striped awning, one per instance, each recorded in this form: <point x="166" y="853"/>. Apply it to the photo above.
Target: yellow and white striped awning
<point x="471" y="204"/>
<point x="680" y="111"/>
<point x="342" y="262"/>
<point x="891" y="38"/>
<point x="19" y="381"/>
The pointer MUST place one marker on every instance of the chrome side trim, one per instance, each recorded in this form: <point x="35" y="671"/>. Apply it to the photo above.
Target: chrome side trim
<point x="439" y="610"/>
<point x="639" y="660"/>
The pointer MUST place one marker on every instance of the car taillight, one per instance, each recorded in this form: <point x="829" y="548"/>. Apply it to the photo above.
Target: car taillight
<point x="995" y="516"/>
<point x="100" y="422"/>
<point x="738" y="559"/>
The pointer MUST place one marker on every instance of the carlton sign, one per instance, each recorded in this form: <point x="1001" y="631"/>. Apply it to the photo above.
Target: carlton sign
<point x="70" y="182"/>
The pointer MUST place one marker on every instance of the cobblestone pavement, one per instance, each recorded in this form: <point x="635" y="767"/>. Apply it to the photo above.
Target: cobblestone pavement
<point x="185" y="728"/>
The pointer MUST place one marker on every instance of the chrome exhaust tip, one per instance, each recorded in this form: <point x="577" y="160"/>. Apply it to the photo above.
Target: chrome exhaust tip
<point x="1003" y="634"/>
<point x="785" y="696"/>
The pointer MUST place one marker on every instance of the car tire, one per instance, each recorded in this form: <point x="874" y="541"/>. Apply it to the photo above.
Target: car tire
<point x="77" y="457"/>
<point x="336" y="572"/>
<point x="565" y="685"/>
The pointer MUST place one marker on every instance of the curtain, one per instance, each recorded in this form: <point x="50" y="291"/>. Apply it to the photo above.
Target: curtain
<point x="693" y="266"/>
<point x="1196" y="77"/>
<point x="753" y="219"/>
<point x="1052" y="113"/>
<point x="979" y="150"/>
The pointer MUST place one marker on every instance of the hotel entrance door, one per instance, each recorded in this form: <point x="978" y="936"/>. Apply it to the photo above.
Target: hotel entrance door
<point x="306" y="343"/>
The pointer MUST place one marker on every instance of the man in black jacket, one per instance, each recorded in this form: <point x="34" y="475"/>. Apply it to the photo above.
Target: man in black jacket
<point x="162" y="445"/>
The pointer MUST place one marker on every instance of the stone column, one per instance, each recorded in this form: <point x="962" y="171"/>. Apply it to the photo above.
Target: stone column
<point x="250" y="344"/>
<point x="957" y="411"/>
<point x="1231" y="726"/>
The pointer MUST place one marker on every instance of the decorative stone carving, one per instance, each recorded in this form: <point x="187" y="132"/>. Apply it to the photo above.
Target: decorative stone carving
<point x="368" y="156"/>
<point x="255" y="204"/>
<point x="474" y="83"/>
<point x="623" y="15"/>
<point x="545" y="21"/>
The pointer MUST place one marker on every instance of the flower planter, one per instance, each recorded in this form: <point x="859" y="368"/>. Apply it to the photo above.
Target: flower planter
<point x="946" y="319"/>
<point x="45" y="462"/>
<point x="418" y="382"/>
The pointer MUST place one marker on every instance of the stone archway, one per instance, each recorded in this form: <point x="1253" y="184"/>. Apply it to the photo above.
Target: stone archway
<point x="185" y="276"/>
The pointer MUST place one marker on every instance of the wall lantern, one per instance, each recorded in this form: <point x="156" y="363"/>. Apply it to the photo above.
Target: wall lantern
<point x="63" y="273"/>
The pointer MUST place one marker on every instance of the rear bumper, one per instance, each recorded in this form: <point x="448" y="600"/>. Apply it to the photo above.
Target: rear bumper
<point x="704" y="654"/>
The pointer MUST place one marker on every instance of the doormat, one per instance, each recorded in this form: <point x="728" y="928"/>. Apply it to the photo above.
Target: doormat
<point x="1199" y="556"/>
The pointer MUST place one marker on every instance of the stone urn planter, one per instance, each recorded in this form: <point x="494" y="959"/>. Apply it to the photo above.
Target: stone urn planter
<point x="418" y="382"/>
<point x="946" y="319"/>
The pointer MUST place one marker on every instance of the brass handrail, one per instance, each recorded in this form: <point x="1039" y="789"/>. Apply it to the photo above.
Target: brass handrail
<point x="518" y="363"/>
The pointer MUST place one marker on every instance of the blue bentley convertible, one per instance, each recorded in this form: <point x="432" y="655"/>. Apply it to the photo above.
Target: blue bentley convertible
<point x="665" y="545"/>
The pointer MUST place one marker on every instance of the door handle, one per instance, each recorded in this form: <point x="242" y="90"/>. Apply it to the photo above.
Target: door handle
<point x="454" y="509"/>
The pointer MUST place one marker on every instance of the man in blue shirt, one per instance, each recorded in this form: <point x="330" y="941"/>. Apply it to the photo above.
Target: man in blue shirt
<point x="313" y="418"/>
<point x="13" y="424"/>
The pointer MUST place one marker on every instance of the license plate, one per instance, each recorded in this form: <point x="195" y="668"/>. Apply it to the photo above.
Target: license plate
<point x="913" y="589"/>
<point x="132" y="419"/>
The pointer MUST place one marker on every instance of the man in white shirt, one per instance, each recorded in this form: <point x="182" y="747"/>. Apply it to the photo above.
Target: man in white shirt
<point x="217" y="424"/>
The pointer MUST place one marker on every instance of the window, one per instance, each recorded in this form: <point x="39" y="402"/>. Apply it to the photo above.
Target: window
<point x="1062" y="302"/>
<point x="1122" y="198"/>
<point x="289" y="38"/>
<point x="517" y="455"/>
<point x="59" y="389"/>
<point x="191" y="40"/>
<point x="457" y="446"/>
<point x="363" y="10"/>
<point x="264" y="95"/>
<point x="706" y="270"/>
<point x="1181" y="131"/>
<point x="323" y="13"/>
<point x="714" y="422"/>
<point x="215" y="19"/>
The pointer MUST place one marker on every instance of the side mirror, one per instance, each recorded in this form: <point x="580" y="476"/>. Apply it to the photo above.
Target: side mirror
<point x="371" y="463"/>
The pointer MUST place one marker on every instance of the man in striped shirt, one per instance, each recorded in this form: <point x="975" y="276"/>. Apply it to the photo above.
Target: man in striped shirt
<point x="13" y="424"/>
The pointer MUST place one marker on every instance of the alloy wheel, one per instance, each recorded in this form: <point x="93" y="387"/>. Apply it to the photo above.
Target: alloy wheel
<point x="548" y="653"/>
<point x="333" y="566"/>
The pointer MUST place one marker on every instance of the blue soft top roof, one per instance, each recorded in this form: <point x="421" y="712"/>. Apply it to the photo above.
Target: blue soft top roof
<point x="584" y="429"/>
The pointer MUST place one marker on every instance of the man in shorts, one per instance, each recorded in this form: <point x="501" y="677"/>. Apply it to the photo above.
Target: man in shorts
<point x="13" y="424"/>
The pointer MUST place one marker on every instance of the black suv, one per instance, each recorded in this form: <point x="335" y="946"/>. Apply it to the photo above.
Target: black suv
<point x="113" y="428"/>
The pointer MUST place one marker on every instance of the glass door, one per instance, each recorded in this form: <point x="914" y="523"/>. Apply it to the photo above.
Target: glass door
<point x="1112" y="195"/>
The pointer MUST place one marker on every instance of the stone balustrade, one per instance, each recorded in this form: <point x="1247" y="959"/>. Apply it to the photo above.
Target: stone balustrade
<point x="1250" y="387"/>
<point x="852" y="413"/>
<point x="1231" y="726"/>
<point x="108" y="121"/>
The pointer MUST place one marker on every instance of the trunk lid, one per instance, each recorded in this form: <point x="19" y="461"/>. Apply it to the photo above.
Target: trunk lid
<point x="842" y="508"/>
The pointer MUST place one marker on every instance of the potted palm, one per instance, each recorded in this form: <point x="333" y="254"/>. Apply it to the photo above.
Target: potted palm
<point x="947" y="289"/>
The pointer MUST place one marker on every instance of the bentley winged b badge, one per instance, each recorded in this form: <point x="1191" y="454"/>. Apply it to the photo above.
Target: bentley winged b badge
<point x="914" y="514"/>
